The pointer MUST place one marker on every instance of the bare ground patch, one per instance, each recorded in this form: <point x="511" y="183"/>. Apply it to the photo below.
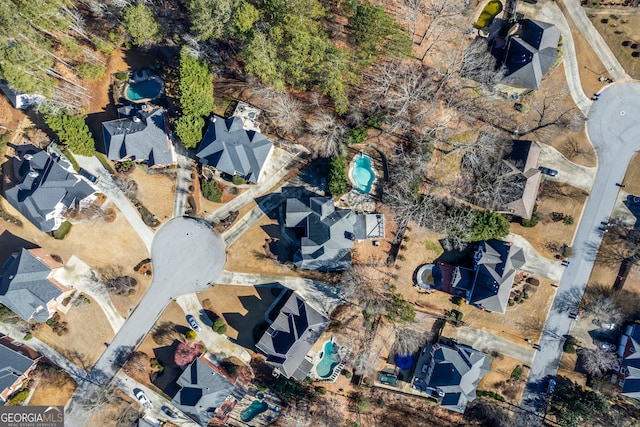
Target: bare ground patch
<point x="504" y="379"/>
<point x="156" y="192"/>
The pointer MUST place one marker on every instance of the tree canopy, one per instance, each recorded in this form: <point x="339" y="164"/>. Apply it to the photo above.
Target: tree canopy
<point x="573" y="405"/>
<point x="141" y="25"/>
<point x="488" y="225"/>
<point x="73" y="132"/>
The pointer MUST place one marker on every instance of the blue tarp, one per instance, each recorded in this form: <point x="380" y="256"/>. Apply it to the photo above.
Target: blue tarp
<point x="404" y="361"/>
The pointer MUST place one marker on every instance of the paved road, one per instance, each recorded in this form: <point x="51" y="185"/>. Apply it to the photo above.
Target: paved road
<point x="187" y="256"/>
<point x="107" y="185"/>
<point x="614" y="129"/>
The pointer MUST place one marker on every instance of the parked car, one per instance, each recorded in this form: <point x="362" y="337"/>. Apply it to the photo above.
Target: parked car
<point x="142" y="398"/>
<point x="608" y="326"/>
<point x="636" y="199"/>
<point x="551" y="386"/>
<point x="192" y="322"/>
<point x="547" y="171"/>
<point x="169" y="412"/>
<point x="574" y="315"/>
<point x="91" y="177"/>
<point x="606" y="345"/>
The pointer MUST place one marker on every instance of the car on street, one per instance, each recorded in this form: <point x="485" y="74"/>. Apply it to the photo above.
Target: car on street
<point x="574" y="315"/>
<point x="548" y="171"/>
<point x="142" y="398"/>
<point x="91" y="177"/>
<point x="192" y="322"/>
<point x="606" y="345"/>
<point x="551" y="386"/>
<point x="169" y="412"/>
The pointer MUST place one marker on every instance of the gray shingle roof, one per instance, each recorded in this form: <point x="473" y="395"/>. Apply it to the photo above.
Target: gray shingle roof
<point x="532" y="50"/>
<point x="230" y="148"/>
<point x="328" y="237"/>
<point x="202" y="390"/>
<point x="496" y="265"/>
<point x="12" y="366"/>
<point x="457" y="370"/>
<point x="523" y="161"/>
<point x="140" y="136"/>
<point x="25" y="288"/>
<point x="290" y="337"/>
<point x="44" y="181"/>
<point x="369" y="226"/>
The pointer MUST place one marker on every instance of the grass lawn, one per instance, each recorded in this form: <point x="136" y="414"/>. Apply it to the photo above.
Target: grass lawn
<point x="622" y="34"/>
<point x="490" y="11"/>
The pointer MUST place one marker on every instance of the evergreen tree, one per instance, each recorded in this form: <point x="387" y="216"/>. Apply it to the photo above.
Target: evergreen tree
<point x="139" y="22"/>
<point x="189" y="129"/>
<point x="209" y="19"/>
<point x="73" y="132"/>
<point x="196" y="86"/>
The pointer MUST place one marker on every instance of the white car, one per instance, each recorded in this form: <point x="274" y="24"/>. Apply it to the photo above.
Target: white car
<point x="192" y="322"/>
<point x="607" y="346"/>
<point x="142" y="398"/>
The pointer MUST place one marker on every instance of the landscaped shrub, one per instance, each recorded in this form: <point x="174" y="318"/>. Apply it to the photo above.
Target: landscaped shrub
<point x="516" y="374"/>
<point x="219" y="326"/>
<point x="156" y="364"/>
<point x="357" y="135"/>
<point x="338" y="176"/>
<point x="28" y="336"/>
<point x="19" y="397"/>
<point x="459" y="316"/>
<point x="530" y="223"/>
<point x="122" y="76"/>
<point x="568" y="220"/>
<point x="124" y="166"/>
<point x="492" y="394"/>
<point x="570" y="345"/>
<point x="190" y="334"/>
<point x="187" y="351"/>
<point x="210" y="190"/>
<point x="62" y="231"/>
<point x="238" y="180"/>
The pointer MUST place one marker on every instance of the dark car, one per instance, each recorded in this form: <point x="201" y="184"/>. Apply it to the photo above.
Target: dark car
<point x="547" y="171"/>
<point x="169" y="412"/>
<point x="91" y="177"/>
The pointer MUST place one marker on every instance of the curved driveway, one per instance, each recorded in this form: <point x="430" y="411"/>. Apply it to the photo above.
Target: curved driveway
<point x="187" y="255"/>
<point x="614" y="129"/>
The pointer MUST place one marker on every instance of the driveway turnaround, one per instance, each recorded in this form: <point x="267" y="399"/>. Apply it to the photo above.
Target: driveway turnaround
<point x="187" y="256"/>
<point x="614" y="129"/>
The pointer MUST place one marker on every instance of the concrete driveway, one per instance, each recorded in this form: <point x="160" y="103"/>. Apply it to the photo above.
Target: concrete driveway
<point x="614" y="129"/>
<point x="488" y="342"/>
<point x="187" y="256"/>
<point x="568" y="172"/>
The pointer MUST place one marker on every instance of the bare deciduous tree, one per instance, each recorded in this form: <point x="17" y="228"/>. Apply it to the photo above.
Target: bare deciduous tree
<point x="597" y="361"/>
<point x="574" y="150"/>
<point x="128" y="186"/>
<point x="165" y="333"/>
<point x="409" y="340"/>
<point x="479" y="65"/>
<point x="329" y="135"/>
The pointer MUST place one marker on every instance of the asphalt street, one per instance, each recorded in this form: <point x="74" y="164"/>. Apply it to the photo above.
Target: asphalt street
<point x="614" y="129"/>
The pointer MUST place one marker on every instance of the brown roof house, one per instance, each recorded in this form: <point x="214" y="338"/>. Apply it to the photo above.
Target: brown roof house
<point x="17" y="362"/>
<point x="28" y="285"/>
<point x="523" y="162"/>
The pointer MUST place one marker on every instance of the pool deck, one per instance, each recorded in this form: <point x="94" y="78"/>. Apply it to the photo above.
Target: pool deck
<point x="264" y="418"/>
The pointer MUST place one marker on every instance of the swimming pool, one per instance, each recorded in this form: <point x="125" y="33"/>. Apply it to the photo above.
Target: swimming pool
<point x="147" y="89"/>
<point x="257" y="407"/>
<point x="362" y="174"/>
<point x="324" y="369"/>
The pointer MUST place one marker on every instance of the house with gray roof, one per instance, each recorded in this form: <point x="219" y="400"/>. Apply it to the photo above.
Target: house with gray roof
<point x="140" y="135"/>
<point x="16" y="364"/>
<point x="46" y="186"/>
<point x="530" y="52"/>
<point x="235" y="148"/>
<point x="204" y="387"/>
<point x="327" y="233"/>
<point x="453" y="374"/>
<point x="488" y="285"/>
<point x="28" y="285"/>
<point x="294" y="327"/>
<point x="18" y="99"/>
<point x="522" y="161"/>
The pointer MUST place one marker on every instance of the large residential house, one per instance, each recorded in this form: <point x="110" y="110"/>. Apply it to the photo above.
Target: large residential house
<point x="18" y="99"/>
<point x="327" y="233"/>
<point x="523" y="161"/>
<point x="46" y="186"/>
<point x="28" y="285"/>
<point x="627" y="373"/>
<point x="453" y="374"/>
<point x="17" y="362"/>
<point x="204" y="387"/>
<point x="294" y="327"/>
<point x="488" y="284"/>
<point x="140" y="135"/>
<point x="528" y="55"/>
<point x="235" y="148"/>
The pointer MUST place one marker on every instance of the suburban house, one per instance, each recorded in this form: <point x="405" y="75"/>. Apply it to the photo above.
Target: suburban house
<point x="488" y="284"/>
<point x="204" y="387"/>
<point x="46" y="186"/>
<point x="626" y="374"/>
<point x="523" y="161"/>
<point x="140" y="135"/>
<point x="530" y="49"/>
<point x="28" y="285"/>
<point x="294" y="326"/>
<point x="19" y="100"/>
<point x="453" y="373"/>
<point x="235" y="148"/>
<point x="17" y="362"/>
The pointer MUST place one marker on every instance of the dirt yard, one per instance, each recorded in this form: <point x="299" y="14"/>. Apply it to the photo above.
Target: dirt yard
<point x="499" y="378"/>
<point x="89" y="331"/>
<point x="125" y="304"/>
<point x="560" y="198"/>
<point x="622" y="34"/>
<point x="55" y="391"/>
<point x="156" y="192"/>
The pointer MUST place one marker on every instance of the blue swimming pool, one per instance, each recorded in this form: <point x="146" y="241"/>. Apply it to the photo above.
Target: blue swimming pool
<point x="324" y="368"/>
<point x="147" y="89"/>
<point x="363" y="174"/>
<point x="257" y="407"/>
